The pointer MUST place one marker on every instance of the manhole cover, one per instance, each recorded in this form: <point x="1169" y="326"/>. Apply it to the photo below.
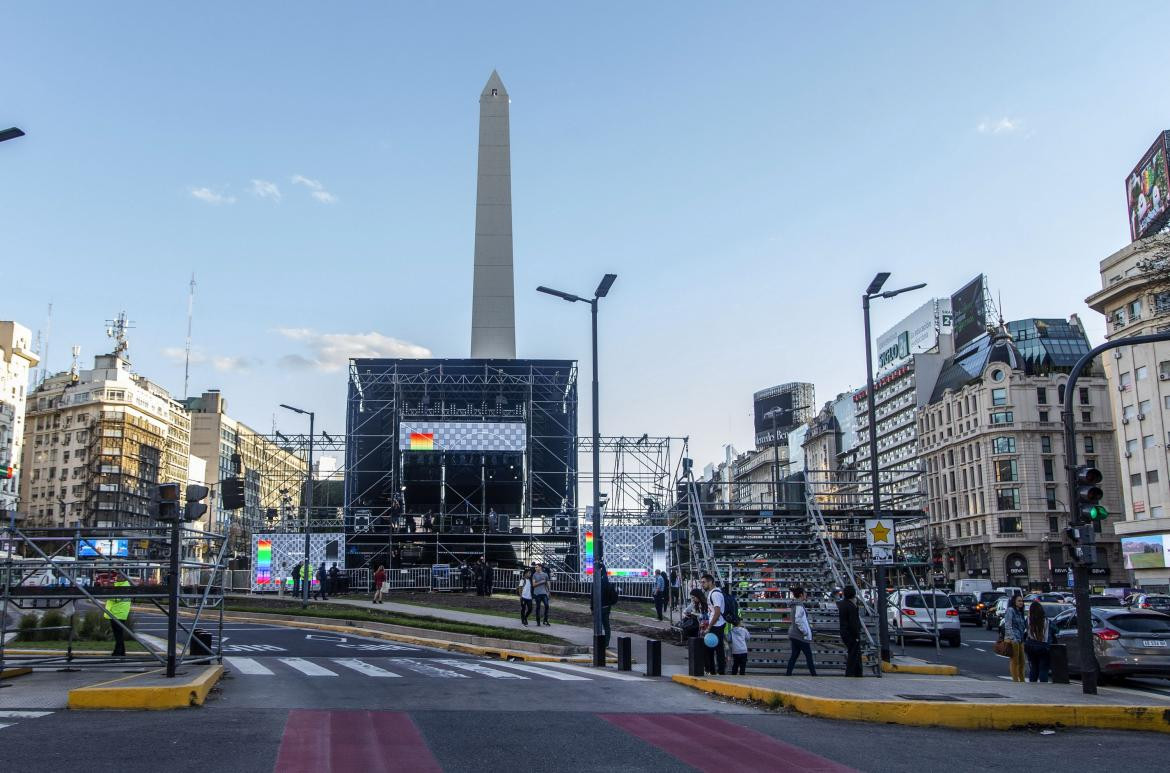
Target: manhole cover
<point x="980" y="695"/>
<point x="928" y="697"/>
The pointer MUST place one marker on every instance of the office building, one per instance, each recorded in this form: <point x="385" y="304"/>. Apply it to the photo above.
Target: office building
<point x="16" y="360"/>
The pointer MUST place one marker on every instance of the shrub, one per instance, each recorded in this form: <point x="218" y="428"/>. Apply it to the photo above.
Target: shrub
<point x="52" y="619"/>
<point x="91" y="627"/>
<point x="27" y="629"/>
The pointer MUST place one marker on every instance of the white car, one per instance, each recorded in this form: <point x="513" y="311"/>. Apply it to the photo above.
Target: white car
<point x="916" y="614"/>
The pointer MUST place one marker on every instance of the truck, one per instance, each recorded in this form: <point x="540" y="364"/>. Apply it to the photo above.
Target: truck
<point x="972" y="586"/>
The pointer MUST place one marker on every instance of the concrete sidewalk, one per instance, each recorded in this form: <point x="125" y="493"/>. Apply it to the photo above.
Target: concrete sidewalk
<point x="959" y="702"/>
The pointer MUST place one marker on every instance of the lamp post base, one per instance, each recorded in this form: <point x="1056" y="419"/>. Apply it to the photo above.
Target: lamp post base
<point x="599" y="651"/>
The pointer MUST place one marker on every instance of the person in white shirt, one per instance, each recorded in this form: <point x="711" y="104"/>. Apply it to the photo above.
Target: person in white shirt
<point x="739" y="648"/>
<point x="525" y="592"/>
<point x="800" y="634"/>
<point x="716" y="656"/>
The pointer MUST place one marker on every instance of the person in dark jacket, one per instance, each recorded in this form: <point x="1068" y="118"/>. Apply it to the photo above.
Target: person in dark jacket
<point x="296" y="574"/>
<point x="850" y="621"/>
<point x="322" y="579"/>
<point x="334" y="579"/>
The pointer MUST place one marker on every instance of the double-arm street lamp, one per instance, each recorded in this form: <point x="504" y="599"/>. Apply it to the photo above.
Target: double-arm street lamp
<point x="875" y="291"/>
<point x="598" y="554"/>
<point x="10" y="134"/>
<point x="307" y="571"/>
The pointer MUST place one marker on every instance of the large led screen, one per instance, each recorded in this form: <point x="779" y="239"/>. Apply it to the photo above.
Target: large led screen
<point x="1146" y="552"/>
<point x="1146" y="191"/>
<point x="492" y="437"/>
<point x="969" y="312"/>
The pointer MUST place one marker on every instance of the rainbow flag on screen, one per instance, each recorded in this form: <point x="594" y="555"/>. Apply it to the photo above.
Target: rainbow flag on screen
<point x="422" y="441"/>
<point x="263" y="561"/>
<point x="588" y="552"/>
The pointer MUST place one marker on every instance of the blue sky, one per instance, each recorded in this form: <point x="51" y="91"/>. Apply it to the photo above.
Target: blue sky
<point x="743" y="169"/>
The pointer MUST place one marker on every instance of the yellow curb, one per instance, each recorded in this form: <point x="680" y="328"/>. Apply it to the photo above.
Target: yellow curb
<point x="442" y="644"/>
<point x="9" y="673"/>
<point x="929" y="669"/>
<point x="116" y="694"/>
<point x="965" y="716"/>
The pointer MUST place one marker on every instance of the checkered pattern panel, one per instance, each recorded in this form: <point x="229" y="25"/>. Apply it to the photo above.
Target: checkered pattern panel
<point x="285" y="550"/>
<point x="467" y="435"/>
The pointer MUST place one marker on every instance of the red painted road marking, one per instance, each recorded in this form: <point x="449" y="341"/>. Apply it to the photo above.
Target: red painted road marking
<point x="366" y="741"/>
<point x="716" y="746"/>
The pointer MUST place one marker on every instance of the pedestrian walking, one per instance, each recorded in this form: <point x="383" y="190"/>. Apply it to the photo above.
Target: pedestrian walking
<point x="541" y="593"/>
<point x="849" y="619"/>
<point x="334" y="579"/>
<point x="675" y="587"/>
<point x="480" y="575"/>
<point x="464" y="577"/>
<point x="660" y="591"/>
<point x="379" y="584"/>
<point x="1015" y="631"/>
<point x="489" y="578"/>
<point x="609" y="597"/>
<point x="1038" y="645"/>
<point x="118" y="610"/>
<point x="717" y="623"/>
<point x="296" y="574"/>
<point x="525" y="592"/>
<point x="739" y="648"/>
<point x="322" y="579"/>
<point x="800" y="634"/>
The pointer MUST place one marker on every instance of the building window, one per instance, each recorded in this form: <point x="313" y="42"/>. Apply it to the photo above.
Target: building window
<point x="1002" y="417"/>
<point x="1046" y="444"/>
<point x="1135" y="310"/>
<point x="1135" y="479"/>
<point x="1086" y="416"/>
<point x="1053" y="524"/>
<point x="1007" y="499"/>
<point x="1006" y="471"/>
<point x="1041" y="395"/>
<point x="1089" y="448"/>
<point x="997" y="375"/>
<point x="1125" y="381"/>
<point x="1050" y="497"/>
<point x="999" y="396"/>
<point x="1010" y="525"/>
<point x="1049" y="470"/>
<point x="1130" y="447"/>
<point x="1147" y="441"/>
<point x="1152" y="476"/>
<point x="1083" y="393"/>
<point x="1128" y="411"/>
<point x="1060" y="394"/>
<point x="1157" y="511"/>
<point x="1044" y="417"/>
<point x="1003" y="445"/>
<point x="1144" y="407"/>
<point x="1118" y="316"/>
<point x="1142" y="373"/>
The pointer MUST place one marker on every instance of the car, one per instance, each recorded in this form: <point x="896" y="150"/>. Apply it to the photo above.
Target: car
<point x="1105" y="602"/>
<point x="966" y="604"/>
<point x="1125" y="642"/>
<point x="1052" y="609"/>
<point x="1155" y="601"/>
<point x="985" y="604"/>
<point x="1049" y="598"/>
<point x="914" y="614"/>
<point x="993" y="618"/>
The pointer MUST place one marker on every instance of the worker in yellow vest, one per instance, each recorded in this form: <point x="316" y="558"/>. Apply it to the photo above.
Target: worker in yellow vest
<point x="119" y="611"/>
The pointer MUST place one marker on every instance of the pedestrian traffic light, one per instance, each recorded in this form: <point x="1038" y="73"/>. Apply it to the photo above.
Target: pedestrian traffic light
<point x="195" y="508"/>
<point x="166" y="501"/>
<point x="232" y="491"/>
<point x="1089" y="495"/>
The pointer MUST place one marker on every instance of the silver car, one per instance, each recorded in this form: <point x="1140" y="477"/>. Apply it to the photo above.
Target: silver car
<point x="1125" y="643"/>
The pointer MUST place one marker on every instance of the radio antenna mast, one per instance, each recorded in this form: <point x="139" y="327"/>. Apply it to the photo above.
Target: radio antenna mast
<point x="45" y="357"/>
<point x="190" y="317"/>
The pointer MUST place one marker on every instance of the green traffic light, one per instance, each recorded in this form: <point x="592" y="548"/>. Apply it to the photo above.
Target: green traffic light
<point x="1098" y="513"/>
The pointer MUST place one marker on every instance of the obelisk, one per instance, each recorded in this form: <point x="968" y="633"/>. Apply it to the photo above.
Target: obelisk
<point x="493" y="301"/>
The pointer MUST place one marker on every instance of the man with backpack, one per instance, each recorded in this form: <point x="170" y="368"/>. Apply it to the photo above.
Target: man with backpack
<point x="716" y="609"/>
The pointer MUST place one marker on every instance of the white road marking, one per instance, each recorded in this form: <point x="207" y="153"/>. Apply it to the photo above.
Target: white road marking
<point x="4" y="726"/>
<point x="543" y="672"/>
<point x="320" y="637"/>
<point x="23" y="714"/>
<point x="1001" y="676"/>
<point x="980" y="649"/>
<point x="429" y="670"/>
<point x="379" y="647"/>
<point x="479" y="668"/>
<point x="253" y="648"/>
<point x="306" y="667"/>
<point x="248" y="666"/>
<point x="602" y="672"/>
<point x="364" y="668"/>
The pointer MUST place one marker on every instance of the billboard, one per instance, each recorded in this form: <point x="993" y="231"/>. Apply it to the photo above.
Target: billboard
<point x="794" y="402"/>
<point x="1146" y="190"/>
<point x="969" y="312"/>
<point x="491" y="436"/>
<point x="917" y="333"/>
<point x="275" y="555"/>
<point x="92" y="548"/>
<point x="1151" y="551"/>
<point x="632" y="551"/>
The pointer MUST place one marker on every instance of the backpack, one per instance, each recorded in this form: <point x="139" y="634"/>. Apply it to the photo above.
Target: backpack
<point x="731" y="614"/>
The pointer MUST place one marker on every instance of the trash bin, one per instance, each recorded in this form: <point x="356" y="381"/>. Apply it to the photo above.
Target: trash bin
<point x="200" y="642"/>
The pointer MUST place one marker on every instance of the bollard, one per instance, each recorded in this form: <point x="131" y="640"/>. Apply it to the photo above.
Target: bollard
<point x="653" y="657"/>
<point x="696" y="656"/>
<point x="1059" y="663"/>
<point x="625" y="658"/>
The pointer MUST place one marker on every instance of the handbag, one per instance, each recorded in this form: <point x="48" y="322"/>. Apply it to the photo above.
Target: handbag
<point x="1003" y="648"/>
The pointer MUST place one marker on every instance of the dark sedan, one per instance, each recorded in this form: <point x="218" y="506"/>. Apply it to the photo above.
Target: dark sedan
<point x="967" y="605"/>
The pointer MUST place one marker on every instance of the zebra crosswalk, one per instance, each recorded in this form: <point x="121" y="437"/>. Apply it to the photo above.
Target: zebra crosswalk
<point x="435" y="668"/>
<point x="8" y="717"/>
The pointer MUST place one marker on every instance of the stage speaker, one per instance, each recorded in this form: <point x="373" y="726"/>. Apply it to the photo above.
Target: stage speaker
<point x="502" y="523"/>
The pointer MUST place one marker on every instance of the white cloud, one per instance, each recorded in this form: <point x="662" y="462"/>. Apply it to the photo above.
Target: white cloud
<point x="265" y="190"/>
<point x="221" y="363"/>
<point x="316" y="187"/>
<point x="1003" y="125"/>
<point x="209" y="196"/>
<point x="332" y="351"/>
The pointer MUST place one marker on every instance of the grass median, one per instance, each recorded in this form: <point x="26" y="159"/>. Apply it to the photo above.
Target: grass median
<point x="78" y="645"/>
<point x="293" y="609"/>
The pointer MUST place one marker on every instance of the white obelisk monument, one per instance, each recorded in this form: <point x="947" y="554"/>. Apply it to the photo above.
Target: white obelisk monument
<point x="493" y="301"/>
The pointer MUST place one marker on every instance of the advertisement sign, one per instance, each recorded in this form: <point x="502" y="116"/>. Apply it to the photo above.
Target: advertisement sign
<point x="880" y="538"/>
<point x="969" y="312"/>
<point x="491" y="436"/>
<point x="1151" y="551"/>
<point x="92" y="548"/>
<point x="629" y="550"/>
<point x="915" y="334"/>
<point x="794" y="402"/>
<point x="1146" y="191"/>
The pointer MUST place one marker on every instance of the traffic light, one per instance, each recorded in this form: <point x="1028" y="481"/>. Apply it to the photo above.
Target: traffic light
<point x="232" y="490"/>
<point x="166" y="502"/>
<point x="1082" y="544"/>
<point x="1089" y="495"/>
<point x="195" y="508"/>
<point x="7" y="472"/>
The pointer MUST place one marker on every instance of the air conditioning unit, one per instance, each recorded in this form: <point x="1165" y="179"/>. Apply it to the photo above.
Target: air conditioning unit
<point x="1117" y="354"/>
<point x="1141" y="417"/>
<point x="1125" y="421"/>
<point x="1164" y="376"/>
<point x="1128" y="454"/>
<point x="1121" y="387"/>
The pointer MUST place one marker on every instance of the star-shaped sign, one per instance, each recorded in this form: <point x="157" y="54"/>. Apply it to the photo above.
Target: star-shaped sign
<point x="880" y="532"/>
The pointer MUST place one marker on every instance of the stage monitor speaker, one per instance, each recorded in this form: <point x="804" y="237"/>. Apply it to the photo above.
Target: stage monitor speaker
<point x="503" y="523"/>
<point x="517" y="530"/>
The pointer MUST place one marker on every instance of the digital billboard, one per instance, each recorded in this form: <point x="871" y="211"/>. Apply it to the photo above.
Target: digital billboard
<point x="1151" y="551"/>
<point x="491" y="436"/>
<point x="969" y="312"/>
<point x="92" y="548"/>
<point x="1146" y="190"/>
<point x="793" y="401"/>
<point x="916" y="334"/>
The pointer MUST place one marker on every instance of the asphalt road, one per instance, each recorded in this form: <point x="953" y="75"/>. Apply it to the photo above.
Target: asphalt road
<point x="299" y="700"/>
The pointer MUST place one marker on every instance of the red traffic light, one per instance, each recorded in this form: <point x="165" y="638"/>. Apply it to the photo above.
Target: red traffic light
<point x="166" y="499"/>
<point x="1088" y="476"/>
<point x="8" y="472"/>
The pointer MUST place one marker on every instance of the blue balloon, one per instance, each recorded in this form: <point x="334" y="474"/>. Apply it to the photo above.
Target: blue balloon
<point x="711" y="640"/>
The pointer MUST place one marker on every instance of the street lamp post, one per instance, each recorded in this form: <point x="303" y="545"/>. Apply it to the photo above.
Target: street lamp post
<point x="307" y="572"/>
<point x="875" y="291"/>
<point x="598" y="552"/>
<point x="10" y="134"/>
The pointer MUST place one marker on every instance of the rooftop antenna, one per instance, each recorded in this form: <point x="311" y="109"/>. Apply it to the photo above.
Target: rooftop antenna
<point x="190" y="316"/>
<point x="116" y="329"/>
<point x="48" y="332"/>
<point x="75" y="368"/>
